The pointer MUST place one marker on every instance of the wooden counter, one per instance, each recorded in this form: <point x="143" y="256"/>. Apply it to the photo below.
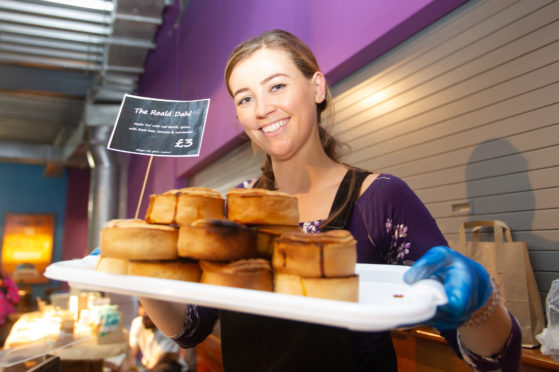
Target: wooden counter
<point x="423" y="349"/>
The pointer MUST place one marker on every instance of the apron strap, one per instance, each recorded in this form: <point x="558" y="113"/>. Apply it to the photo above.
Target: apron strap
<point x="345" y="198"/>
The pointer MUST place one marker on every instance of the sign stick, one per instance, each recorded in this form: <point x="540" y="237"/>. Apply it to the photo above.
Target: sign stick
<point x="143" y="187"/>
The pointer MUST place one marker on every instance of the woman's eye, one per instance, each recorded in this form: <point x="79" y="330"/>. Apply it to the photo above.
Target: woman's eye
<point x="277" y="87"/>
<point x="244" y="100"/>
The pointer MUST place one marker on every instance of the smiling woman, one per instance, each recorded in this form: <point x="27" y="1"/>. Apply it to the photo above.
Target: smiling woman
<point x="276" y="103"/>
<point x="280" y="94"/>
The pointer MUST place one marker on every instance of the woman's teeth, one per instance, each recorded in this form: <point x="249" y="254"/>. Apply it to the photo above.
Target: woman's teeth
<point x="273" y="127"/>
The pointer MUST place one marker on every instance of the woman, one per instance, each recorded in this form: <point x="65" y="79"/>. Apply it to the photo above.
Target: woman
<point x="279" y="94"/>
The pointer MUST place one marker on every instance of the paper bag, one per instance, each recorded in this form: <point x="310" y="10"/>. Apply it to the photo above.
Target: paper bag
<point x="509" y="264"/>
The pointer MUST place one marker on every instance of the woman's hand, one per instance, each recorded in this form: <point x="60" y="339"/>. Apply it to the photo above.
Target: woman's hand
<point x="467" y="284"/>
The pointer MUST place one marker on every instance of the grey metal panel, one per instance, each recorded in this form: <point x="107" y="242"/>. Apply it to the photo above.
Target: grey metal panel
<point x="52" y="34"/>
<point x="237" y="166"/>
<point x="32" y="79"/>
<point x="446" y="35"/>
<point x="458" y="53"/>
<point x="431" y="112"/>
<point x="544" y="279"/>
<point x="500" y="203"/>
<point x="545" y="260"/>
<point x="546" y="219"/>
<point x="439" y="114"/>
<point x="55" y="11"/>
<point x="50" y="52"/>
<point x="126" y="55"/>
<point x="512" y="162"/>
<point x="29" y="153"/>
<point x="62" y="53"/>
<point x="537" y="240"/>
<point x="34" y="108"/>
<point x="149" y="8"/>
<point x="48" y="43"/>
<point x="100" y="114"/>
<point x="513" y="129"/>
<point x="86" y="27"/>
<point x="525" y="181"/>
<point x="132" y="29"/>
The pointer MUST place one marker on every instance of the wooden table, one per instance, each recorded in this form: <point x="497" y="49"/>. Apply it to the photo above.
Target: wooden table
<point x="421" y="349"/>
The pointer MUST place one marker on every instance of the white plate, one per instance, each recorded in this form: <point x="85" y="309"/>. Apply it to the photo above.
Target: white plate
<point x="385" y="301"/>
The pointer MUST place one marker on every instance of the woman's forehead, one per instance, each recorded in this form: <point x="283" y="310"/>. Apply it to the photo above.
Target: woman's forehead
<point x="261" y="64"/>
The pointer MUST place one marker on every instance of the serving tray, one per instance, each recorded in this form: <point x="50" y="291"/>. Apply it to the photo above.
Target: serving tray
<point x="385" y="301"/>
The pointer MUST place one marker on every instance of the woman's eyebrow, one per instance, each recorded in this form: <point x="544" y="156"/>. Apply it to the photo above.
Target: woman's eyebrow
<point x="240" y="91"/>
<point x="272" y="77"/>
<point x="264" y="81"/>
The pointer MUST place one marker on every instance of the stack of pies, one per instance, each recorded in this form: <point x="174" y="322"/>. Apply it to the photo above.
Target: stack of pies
<point x="248" y="266"/>
<point x="184" y="206"/>
<point x="136" y="247"/>
<point x="256" y="244"/>
<point x="149" y="247"/>
<point x="316" y="265"/>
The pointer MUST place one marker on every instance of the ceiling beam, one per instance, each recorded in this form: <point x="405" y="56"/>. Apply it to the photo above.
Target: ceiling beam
<point x="29" y="153"/>
<point x="57" y="11"/>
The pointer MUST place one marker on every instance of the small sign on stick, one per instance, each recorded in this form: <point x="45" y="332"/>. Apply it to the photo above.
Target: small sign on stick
<point x="158" y="127"/>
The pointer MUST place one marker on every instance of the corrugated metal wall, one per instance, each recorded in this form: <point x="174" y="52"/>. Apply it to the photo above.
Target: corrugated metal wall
<point x="239" y="165"/>
<point x="467" y="113"/>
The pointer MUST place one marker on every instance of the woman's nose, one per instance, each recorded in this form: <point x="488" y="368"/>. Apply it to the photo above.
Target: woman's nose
<point x="263" y="107"/>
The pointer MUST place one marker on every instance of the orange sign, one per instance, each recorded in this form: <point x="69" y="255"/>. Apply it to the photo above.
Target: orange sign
<point x="27" y="245"/>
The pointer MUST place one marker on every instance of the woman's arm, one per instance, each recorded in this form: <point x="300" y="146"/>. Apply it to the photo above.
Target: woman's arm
<point x="169" y="317"/>
<point x="489" y="337"/>
<point x="187" y="325"/>
<point x="408" y="235"/>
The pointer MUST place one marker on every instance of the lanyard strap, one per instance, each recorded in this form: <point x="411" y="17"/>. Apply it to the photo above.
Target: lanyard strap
<point x="345" y="198"/>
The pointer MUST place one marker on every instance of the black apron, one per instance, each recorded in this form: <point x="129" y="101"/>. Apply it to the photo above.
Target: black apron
<point x="252" y="343"/>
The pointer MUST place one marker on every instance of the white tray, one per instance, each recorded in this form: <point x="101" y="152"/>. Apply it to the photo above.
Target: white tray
<point x="385" y="301"/>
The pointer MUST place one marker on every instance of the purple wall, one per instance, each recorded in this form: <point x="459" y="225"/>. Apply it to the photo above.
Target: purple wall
<point x="75" y="222"/>
<point x="189" y="60"/>
<point x="74" y="243"/>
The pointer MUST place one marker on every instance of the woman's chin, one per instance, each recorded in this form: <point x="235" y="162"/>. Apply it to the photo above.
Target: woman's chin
<point x="279" y="151"/>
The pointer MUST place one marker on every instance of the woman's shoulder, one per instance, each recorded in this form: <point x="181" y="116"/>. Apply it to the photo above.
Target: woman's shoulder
<point x="391" y="194"/>
<point x="381" y="185"/>
<point x="387" y="191"/>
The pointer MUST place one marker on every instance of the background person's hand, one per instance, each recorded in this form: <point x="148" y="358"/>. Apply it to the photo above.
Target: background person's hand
<point x="467" y="284"/>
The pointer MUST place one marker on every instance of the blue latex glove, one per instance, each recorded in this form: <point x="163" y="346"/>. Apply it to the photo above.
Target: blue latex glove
<point x="467" y="284"/>
<point x="95" y="252"/>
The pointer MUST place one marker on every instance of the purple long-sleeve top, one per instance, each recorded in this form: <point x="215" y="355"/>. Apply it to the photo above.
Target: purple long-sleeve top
<point x="391" y="226"/>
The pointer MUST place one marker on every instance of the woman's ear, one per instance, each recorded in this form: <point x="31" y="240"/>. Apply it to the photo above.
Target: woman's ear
<point x="319" y="86"/>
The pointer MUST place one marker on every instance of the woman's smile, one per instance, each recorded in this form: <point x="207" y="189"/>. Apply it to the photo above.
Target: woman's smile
<point x="270" y="129"/>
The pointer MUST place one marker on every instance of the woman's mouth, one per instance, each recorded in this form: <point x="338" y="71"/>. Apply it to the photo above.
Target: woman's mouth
<point x="274" y="126"/>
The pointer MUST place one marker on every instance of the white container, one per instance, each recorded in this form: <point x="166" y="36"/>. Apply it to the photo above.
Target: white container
<point x="385" y="301"/>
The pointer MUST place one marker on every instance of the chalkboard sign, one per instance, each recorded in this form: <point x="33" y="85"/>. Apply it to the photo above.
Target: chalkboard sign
<point x="158" y="127"/>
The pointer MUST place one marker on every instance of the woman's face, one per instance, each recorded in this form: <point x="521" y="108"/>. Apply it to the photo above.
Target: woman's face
<point x="275" y="103"/>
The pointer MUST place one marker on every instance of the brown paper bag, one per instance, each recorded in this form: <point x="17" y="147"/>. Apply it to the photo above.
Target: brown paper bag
<point x="509" y="264"/>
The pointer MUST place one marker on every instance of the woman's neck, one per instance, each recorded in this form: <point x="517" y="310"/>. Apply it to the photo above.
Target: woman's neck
<point x="314" y="183"/>
<point x="295" y="176"/>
